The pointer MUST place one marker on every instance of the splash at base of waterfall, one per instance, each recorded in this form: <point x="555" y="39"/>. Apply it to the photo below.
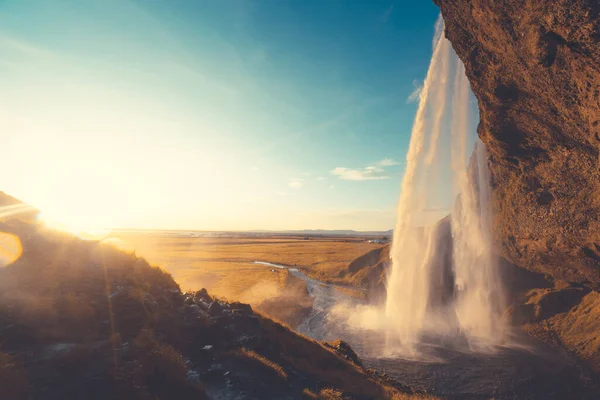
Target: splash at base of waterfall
<point x="444" y="280"/>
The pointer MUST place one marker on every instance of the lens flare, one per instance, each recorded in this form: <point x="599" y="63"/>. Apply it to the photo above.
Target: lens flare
<point x="10" y="248"/>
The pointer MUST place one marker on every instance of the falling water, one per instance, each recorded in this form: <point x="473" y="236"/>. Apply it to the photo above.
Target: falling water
<point x="443" y="279"/>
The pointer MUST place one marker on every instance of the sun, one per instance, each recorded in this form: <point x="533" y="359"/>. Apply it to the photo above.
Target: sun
<point x="82" y="231"/>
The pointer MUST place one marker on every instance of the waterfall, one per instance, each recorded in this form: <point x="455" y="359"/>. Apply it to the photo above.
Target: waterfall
<point x="443" y="279"/>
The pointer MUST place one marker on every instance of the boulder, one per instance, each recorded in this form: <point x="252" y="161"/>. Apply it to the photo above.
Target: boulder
<point x="203" y="295"/>
<point x="344" y="349"/>
<point x="215" y="309"/>
<point x="241" y="308"/>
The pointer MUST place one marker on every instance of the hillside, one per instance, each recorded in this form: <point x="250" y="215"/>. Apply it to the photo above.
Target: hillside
<point x="81" y="319"/>
<point x="369" y="271"/>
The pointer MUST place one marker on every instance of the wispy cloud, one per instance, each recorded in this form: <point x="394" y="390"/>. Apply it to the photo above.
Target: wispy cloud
<point x="366" y="174"/>
<point x="295" y="183"/>
<point x="369" y="173"/>
<point x="321" y="178"/>
<point x="387" y="162"/>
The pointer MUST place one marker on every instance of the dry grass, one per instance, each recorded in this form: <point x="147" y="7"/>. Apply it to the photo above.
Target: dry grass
<point x="339" y="377"/>
<point x="333" y="394"/>
<point x="324" y="394"/>
<point x="252" y="355"/>
<point x="59" y="290"/>
<point x="225" y="266"/>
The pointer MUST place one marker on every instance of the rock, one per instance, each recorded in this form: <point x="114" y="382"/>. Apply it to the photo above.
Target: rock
<point x="534" y="68"/>
<point x="519" y="314"/>
<point x="203" y="295"/>
<point x="344" y="349"/>
<point x="57" y="350"/>
<point x="193" y="376"/>
<point x="215" y="309"/>
<point x="241" y="308"/>
<point x="548" y="302"/>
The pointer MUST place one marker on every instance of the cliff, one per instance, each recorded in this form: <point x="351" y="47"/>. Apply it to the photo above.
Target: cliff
<point x="534" y="67"/>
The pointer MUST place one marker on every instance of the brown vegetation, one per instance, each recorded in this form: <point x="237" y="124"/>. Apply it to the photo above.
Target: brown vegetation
<point x="225" y="266"/>
<point x="85" y="320"/>
<point x="204" y="262"/>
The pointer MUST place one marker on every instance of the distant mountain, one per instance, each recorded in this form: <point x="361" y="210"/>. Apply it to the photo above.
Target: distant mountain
<point x="327" y="232"/>
<point x="344" y="232"/>
<point x="301" y="232"/>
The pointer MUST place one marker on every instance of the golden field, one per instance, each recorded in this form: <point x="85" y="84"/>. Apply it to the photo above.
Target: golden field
<point x="225" y="265"/>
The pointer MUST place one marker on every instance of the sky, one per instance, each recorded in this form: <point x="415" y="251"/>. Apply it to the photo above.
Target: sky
<point x="210" y="114"/>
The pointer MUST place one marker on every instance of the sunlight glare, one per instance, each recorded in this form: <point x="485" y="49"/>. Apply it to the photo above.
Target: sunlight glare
<point x="79" y="230"/>
<point x="10" y="248"/>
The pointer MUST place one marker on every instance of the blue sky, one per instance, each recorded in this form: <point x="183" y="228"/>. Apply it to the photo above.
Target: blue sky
<point x="211" y="114"/>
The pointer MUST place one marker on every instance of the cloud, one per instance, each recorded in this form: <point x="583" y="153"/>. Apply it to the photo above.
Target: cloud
<point x="369" y="173"/>
<point x="387" y="162"/>
<point x="366" y="174"/>
<point x="295" y="183"/>
<point x="321" y="178"/>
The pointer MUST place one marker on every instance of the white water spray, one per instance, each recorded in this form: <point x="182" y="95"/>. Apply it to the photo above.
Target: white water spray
<point x="444" y="279"/>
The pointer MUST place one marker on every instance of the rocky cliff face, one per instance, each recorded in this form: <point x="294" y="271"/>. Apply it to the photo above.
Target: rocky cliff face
<point x="534" y="67"/>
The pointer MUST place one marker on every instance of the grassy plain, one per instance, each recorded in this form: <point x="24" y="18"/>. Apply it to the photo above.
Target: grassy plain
<point x="225" y="265"/>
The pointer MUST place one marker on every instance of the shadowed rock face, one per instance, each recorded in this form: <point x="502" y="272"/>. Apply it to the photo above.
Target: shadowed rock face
<point x="534" y="67"/>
